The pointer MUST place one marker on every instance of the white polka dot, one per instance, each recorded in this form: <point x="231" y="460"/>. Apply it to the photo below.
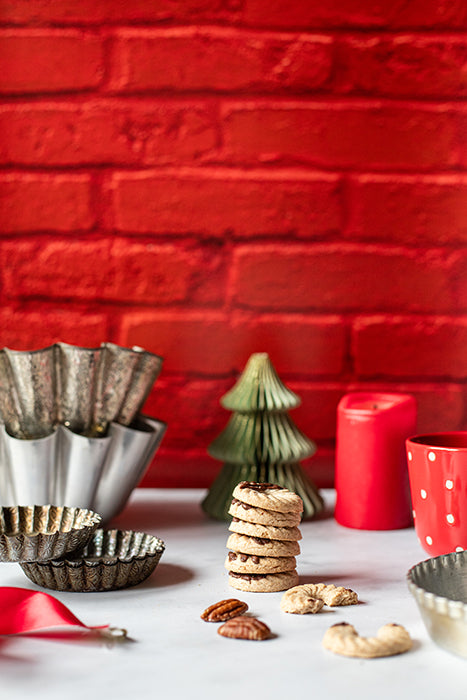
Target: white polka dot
<point x="409" y="456"/>
<point x="428" y="539"/>
<point x="414" y="514"/>
<point x="450" y="518"/>
<point x="423" y="493"/>
<point x="431" y="456"/>
<point x="459" y="549"/>
<point x="449" y="484"/>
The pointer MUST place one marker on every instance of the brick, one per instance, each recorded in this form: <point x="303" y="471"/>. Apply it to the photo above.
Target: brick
<point x="316" y="416"/>
<point x="404" y="66"/>
<point x="429" y="209"/>
<point x="43" y="202"/>
<point x="320" y="467"/>
<point x="209" y="202"/>
<point x="461" y="140"/>
<point x="101" y="269"/>
<point x="297" y="344"/>
<point x="341" y="278"/>
<point x="440" y="406"/>
<point x="90" y="12"/>
<point x="57" y="269"/>
<point x="410" y="347"/>
<point x="355" y="13"/>
<point x="459" y="267"/>
<point x="436" y="14"/>
<point x="359" y="134"/>
<point x="187" y="468"/>
<point x="225" y="60"/>
<point x="31" y="329"/>
<point x="149" y="274"/>
<point x="165" y="274"/>
<point x="198" y="342"/>
<point x="191" y="408"/>
<point x="216" y="344"/>
<point x="44" y="61"/>
<point x="105" y="132"/>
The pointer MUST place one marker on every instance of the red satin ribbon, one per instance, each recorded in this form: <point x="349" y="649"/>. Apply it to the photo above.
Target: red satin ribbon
<point x="24" y="612"/>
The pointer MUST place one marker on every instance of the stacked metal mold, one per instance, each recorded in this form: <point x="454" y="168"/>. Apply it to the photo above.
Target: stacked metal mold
<point x="71" y="432"/>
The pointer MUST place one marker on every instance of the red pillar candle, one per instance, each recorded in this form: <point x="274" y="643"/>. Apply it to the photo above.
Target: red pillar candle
<point x="371" y="477"/>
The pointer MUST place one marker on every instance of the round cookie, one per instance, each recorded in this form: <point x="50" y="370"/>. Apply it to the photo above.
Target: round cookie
<point x="268" y="496"/>
<point x="268" y="531"/>
<point x="252" y="564"/>
<point x="263" y="583"/>
<point x="250" y="514"/>
<point x="262" y="547"/>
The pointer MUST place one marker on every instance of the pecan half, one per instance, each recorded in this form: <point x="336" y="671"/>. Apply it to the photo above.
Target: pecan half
<point x="224" y="610"/>
<point x="245" y="628"/>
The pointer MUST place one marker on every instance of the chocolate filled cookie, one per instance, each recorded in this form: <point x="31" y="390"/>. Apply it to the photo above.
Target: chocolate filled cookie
<point x="268" y="496"/>
<point x="251" y="514"/>
<point x="270" y="532"/>
<point x="263" y="583"/>
<point x="253" y="564"/>
<point x="262" y="547"/>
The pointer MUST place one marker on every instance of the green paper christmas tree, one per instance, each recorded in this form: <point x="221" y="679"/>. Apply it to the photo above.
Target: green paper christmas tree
<point x="260" y="442"/>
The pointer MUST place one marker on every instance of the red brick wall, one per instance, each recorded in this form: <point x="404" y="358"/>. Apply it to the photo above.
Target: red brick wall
<point x="210" y="178"/>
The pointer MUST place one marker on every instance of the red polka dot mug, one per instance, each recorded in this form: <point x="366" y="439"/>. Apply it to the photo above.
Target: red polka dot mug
<point x="437" y="466"/>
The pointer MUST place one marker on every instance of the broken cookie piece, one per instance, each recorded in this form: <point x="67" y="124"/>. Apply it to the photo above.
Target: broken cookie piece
<point x="302" y="599"/>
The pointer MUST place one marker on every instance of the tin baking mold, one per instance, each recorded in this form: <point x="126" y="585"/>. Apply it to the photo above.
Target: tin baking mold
<point x="439" y="586"/>
<point x="111" y="560"/>
<point x="40" y="533"/>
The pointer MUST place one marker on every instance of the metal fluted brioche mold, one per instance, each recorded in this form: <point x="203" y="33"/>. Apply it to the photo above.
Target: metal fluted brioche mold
<point x="439" y="586"/>
<point x="40" y="533"/>
<point x="111" y="560"/>
<point x="84" y="389"/>
<point x="65" y="468"/>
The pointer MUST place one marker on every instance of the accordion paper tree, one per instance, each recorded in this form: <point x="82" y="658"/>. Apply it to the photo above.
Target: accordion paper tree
<point x="260" y="442"/>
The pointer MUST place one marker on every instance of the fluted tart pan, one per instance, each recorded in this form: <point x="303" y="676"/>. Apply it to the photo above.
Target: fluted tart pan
<point x="40" y="533"/>
<point x="111" y="560"/>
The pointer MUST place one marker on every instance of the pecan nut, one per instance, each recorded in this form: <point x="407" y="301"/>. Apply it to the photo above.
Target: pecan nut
<point x="245" y="628"/>
<point x="224" y="610"/>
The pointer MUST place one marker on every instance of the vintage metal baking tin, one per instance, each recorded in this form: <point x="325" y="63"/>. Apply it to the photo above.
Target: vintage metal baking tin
<point x="112" y="559"/>
<point x="65" y="468"/>
<point x="439" y="585"/>
<point x="84" y="389"/>
<point x="40" y="533"/>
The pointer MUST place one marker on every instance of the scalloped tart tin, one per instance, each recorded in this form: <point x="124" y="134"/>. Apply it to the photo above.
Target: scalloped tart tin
<point x="439" y="586"/>
<point x="41" y="533"/>
<point x="111" y="560"/>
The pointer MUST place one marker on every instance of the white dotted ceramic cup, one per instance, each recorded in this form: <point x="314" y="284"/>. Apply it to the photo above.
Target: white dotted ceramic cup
<point x="438" y="483"/>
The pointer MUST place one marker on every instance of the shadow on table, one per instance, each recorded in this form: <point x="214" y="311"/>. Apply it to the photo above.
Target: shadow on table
<point x="167" y="575"/>
<point x="13" y="660"/>
<point x="143" y="514"/>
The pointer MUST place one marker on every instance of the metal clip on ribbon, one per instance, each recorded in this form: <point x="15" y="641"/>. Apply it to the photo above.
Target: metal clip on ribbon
<point x="25" y="612"/>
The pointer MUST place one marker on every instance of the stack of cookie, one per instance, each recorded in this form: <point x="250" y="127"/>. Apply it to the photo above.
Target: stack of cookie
<point x="264" y="539"/>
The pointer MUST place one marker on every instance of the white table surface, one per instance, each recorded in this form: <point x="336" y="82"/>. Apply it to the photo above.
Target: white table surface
<point x="176" y="655"/>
